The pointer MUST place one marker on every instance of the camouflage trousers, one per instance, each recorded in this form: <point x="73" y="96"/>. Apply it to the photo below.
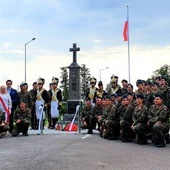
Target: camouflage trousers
<point x="140" y="130"/>
<point x="112" y="128"/>
<point x="159" y="131"/>
<point x="3" y="129"/>
<point x="21" y="127"/>
<point x="125" y="130"/>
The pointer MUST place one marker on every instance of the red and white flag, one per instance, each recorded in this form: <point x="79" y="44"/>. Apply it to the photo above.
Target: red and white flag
<point x="125" y="31"/>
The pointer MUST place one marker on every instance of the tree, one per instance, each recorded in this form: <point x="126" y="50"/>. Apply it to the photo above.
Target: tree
<point x="163" y="71"/>
<point x="64" y="83"/>
<point x="84" y="77"/>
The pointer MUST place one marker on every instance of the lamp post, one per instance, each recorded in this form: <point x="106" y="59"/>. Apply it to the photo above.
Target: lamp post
<point x="102" y="70"/>
<point x="26" y="59"/>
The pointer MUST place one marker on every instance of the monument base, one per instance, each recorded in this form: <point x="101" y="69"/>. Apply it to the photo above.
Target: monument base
<point x="72" y="104"/>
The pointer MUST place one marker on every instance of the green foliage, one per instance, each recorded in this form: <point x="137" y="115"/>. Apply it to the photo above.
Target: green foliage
<point x="63" y="108"/>
<point x="64" y="83"/>
<point x="163" y="71"/>
<point x="85" y="77"/>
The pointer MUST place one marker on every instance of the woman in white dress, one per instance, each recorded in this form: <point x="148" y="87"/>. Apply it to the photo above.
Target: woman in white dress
<point x="5" y="103"/>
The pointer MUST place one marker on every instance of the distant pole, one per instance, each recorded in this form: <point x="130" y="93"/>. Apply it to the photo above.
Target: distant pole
<point x="26" y="58"/>
<point x="100" y="72"/>
<point x="128" y="44"/>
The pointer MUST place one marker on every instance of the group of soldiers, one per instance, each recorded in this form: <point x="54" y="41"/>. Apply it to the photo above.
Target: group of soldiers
<point x="29" y="108"/>
<point x="119" y="112"/>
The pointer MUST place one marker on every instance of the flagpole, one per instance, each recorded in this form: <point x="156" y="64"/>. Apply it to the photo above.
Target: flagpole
<point x="128" y="44"/>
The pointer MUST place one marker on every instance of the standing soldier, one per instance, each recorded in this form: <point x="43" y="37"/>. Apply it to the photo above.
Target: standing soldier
<point x="49" y="92"/>
<point x="33" y="114"/>
<point x="139" y="84"/>
<point x="99" y="92"/>
<point x="24" y="95"/>
<point x="91" y="91"/>
<point x="113" y="87"/>
<point x="124" y="86"/>
<point x="41" y="101"/>
<point x="165" y="91"/>
<point x="15" y="101"/>
<point x="56" y="99"/>
<point x="22" y="119"/>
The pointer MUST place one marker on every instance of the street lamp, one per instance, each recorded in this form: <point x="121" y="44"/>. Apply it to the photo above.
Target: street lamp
<point x="26" y="58"/>
<point x="102" y="70"/>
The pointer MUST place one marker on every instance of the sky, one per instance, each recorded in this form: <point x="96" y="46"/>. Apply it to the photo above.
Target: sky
<point x="95" y="25"/>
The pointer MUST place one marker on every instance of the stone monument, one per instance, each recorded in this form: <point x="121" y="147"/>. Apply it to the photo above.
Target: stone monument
<point x="74" y="82"/>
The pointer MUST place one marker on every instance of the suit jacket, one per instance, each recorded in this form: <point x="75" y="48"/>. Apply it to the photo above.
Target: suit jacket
<point x="14" y="98"/>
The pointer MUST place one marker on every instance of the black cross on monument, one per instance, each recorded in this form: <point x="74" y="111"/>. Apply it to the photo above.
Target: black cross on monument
<point x="74" y="50"/>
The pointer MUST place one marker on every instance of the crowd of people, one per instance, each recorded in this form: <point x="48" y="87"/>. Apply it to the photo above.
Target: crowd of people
<point x="19" y="110"/>
<point x="119" y="112"/>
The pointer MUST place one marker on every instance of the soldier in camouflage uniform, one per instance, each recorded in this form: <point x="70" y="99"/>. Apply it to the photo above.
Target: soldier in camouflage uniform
<point x="140" y="119"/>
<point x="139" y="84"/>
<point x="98" y="110"/>
<point x="110" y="124"/>
<point x="124" y="86"/>
<point x="126" y="110"/>
<point x="22" y="119"/>
<point x="88" y="118"/>
<point x="165" y="91"/>
<point x="158" y="121"/>
<point x="26" y="96"/>
<point x="33" y="114"/>
<point x="3" y="127"/>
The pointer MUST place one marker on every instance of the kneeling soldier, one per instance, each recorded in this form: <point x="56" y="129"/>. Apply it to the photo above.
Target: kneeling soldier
<point x="22" y="118"/>
<point x="3" y="127"/>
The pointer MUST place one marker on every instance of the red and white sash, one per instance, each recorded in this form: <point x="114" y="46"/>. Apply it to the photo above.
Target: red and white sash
<point x="7" y="110"/>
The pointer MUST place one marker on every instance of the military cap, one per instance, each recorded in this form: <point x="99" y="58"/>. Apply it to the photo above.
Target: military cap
<point x="141" y="96"/>
<point x="22" y="84"/>
<point x="114" y="94"/>
<point x="107" y="97"/>
<point x="124" y="96"/>
<point x="93" y="80"/>
<point x="55" y="80"/>
<point x="130" y="93"/>
<point x="119" y="94"/>
<point x="163" y="77"/>
<point x="100" y="83"/>
<point x="22" y="101"/>
<point x="157" y="77"/>
<point x="139" y="81"/>
<point x="155" y="83"/>
<point x="124" y="81"/>
<point x="158" y="95"/>
<point x="87" y="99"/>
<point x="41" y="80"/>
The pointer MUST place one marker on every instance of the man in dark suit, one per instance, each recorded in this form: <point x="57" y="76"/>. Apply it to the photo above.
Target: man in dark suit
<point x="15" y="101"/>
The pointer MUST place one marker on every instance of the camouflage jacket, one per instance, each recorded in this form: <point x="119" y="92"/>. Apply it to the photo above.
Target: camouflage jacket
<point x="140" y="115"/>
<point x="27" y="97"/>
<point x="87" y="111"/>
<point x="158" y="114"/>
<point x="23" y="115"/>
